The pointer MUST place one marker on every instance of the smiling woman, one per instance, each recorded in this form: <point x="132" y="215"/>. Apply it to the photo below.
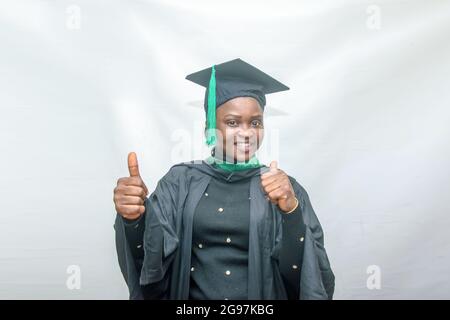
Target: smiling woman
<point x="240" y="127"/>
<point x="227" y="227"/>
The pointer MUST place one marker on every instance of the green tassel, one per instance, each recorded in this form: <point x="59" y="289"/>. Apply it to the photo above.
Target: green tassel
<point x="211" y="116"/>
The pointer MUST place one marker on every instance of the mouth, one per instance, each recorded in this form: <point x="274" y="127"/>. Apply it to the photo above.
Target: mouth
<point x="244" y="146"/>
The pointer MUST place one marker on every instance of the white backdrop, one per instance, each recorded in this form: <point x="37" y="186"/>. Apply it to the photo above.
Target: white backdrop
<point x="364" y="129"/>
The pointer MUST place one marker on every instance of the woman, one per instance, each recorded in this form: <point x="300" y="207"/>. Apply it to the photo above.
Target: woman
<point x="226" y="227"/>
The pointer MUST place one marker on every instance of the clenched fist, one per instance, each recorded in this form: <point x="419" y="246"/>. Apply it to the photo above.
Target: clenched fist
<point x="130" y="192"/>
<point x="278" y="187"/>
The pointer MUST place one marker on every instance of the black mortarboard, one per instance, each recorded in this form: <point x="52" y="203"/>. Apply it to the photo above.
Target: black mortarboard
<point x="232" y="79"/>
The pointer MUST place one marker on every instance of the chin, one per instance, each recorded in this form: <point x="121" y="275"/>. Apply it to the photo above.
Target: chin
<point x="241" y="157"/>
<point x="243" y="152"/>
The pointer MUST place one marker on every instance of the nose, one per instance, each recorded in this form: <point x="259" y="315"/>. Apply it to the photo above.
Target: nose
<point x="246" y="134"/>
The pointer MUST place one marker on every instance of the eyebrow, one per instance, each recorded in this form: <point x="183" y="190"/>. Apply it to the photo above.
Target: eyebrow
<point x="239" y="116"/>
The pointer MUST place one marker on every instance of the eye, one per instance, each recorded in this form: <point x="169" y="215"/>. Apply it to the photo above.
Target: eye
<point x="256" y="123"/>
<point x="232" y="123"/>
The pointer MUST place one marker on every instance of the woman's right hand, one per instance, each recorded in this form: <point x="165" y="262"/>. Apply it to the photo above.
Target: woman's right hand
<point x="131" y="192"/>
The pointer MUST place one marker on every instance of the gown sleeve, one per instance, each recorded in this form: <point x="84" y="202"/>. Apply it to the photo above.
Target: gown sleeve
<point x="145" y="248"/>
<point x="134" y="234"/>
<point x="305" y="242"/>
<point x="291" y="252"/>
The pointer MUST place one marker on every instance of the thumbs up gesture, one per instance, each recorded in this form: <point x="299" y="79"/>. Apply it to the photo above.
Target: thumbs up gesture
<point x="278" y="188"/>
<point x="130" y="192"/>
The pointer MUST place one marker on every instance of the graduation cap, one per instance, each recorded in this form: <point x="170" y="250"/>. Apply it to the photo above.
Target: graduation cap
<point x="228" y="80"/>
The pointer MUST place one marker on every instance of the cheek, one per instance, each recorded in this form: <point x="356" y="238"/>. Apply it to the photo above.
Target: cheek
<point x="230" y="133"/>
<point x="225" y="136"/>
<point x="260" y="136"/>
<point x="221" y="133"/>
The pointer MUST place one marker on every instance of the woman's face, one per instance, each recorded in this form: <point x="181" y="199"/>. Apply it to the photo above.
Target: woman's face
<point x="239" y="122"/>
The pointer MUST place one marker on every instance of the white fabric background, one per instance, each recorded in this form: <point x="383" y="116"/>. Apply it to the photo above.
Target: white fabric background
<point x="364" y="128"/>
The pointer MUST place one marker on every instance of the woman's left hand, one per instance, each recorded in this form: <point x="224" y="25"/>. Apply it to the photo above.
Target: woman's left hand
<point x="278" y="188"/>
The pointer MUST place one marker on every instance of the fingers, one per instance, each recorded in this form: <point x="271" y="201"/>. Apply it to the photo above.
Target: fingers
<point x="269" y="179"/>
<point x="132" y="181"/>
<point x="133" y="166"/>
<point x="130" y="211"/>
<point x="131" y="216"/>
<point x="278" y="194"/>
<point x="271" y="183"/>
<point x="131" y="200"/>
<point x="266" y="181"/>
<point x="124" y="190"/>
<point x="272" y="186"/>
<point x="131" y="192"/>
<point x="145" y="188"/>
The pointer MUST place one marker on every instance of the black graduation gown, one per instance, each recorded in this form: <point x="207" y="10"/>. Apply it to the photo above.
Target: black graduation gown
<point x="159" y="268"/>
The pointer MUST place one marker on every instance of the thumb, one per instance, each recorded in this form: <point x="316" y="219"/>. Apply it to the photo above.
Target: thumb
<point x="133" y="166"/>
<point x="273" y="166"/>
